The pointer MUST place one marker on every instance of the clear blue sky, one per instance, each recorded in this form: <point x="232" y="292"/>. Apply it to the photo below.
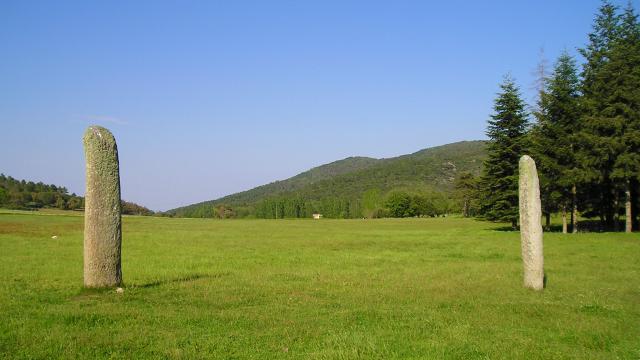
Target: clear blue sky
<point x="209" y="98"/>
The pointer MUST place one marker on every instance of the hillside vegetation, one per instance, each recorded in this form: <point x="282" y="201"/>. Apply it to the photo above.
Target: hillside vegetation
<point x="29" y="195"/>
<point x="298" y="182"/>
<point x="337" y="189"/>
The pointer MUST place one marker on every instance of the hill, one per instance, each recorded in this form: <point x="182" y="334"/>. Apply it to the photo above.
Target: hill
<point x="343" y="183"/>
<point x="298" y="182"/>
<point x="28" y="195"/>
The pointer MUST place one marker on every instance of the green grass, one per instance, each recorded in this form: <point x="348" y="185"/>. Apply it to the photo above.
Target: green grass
<point x="330" y="289"/>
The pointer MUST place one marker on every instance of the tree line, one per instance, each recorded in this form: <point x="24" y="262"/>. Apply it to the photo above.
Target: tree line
<point x="585" y="138"/>
<point x="373" y="203"/>
<point x="29" y="195"/>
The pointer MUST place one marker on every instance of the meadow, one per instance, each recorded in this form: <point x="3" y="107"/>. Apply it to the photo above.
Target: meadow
<point x="327" y="289"/>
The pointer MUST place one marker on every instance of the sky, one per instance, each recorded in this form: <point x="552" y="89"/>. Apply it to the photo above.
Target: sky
<point x="208" y="98"/>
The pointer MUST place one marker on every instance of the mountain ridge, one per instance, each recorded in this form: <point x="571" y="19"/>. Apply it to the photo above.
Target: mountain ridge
<point x="431" y="168"/>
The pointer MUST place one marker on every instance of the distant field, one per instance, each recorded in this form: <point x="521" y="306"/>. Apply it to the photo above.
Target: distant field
<point x="329" y="289"/>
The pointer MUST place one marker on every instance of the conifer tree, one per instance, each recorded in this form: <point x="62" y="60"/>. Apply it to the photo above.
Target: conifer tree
<point x="465" y="191"/>
<point x="507" y="142"/>
<point x="610" y="144"/>
<point x="553" y="142"/>
<point x="624" y="104"/>
<point x="600" y="139"/>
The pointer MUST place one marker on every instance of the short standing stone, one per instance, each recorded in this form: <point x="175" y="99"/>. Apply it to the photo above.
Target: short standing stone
<point x="530" y="224"/>
<point x="102" y="219"/>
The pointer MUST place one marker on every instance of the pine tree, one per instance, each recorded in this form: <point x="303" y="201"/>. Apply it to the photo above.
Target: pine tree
<point x="553" y="142"/>
<point x="624" y="64"/>
<point x="507" y="142"/>
<point x="600" y="139"/>
<point x="611" y="136"/>
<point x="466" y="192"/>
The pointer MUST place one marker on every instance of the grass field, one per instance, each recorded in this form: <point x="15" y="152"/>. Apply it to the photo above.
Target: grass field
<point x="330" y="289"/>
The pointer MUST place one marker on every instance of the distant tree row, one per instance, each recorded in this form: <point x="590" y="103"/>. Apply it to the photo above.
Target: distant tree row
<point x="586" y="137"/>
<point x="129" y="208"/>
<point x="27" y="195"/>
<point x="433" y="168"/>
<point x="373" y="204"/>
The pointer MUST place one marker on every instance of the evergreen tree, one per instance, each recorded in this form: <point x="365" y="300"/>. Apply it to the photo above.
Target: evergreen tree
<point x="609" y="141"/>
<point x="624" y="66"/>
<point x="552" y="139"/>
<point x="597" y="140"/>
<point x="466" y="192"/>
<point x="507" y="142"/>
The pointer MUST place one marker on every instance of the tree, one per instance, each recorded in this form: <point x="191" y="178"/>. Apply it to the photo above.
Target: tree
<point x="421" y="206"/>
<point x="597" y="148"/>
<point x="75" y="203"/>
<point x="466" y="186"/>
<point x="609" y="145"/>
<point x="371" y="203"/>
<point x="507" y="142"/>
<point x="60" y="203"/>
<point x="129" y="208"/>
<point x="552" y="139"/>
<point x="540" y="75"/>
<point x="624" y="66"/>
<point x="3" y="196"/>
<point x="399" y="204"/>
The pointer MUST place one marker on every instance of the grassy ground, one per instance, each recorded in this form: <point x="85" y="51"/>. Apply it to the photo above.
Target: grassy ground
<point x="330" y="289"/>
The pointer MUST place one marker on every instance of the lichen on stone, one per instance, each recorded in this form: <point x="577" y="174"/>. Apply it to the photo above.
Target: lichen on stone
<point x="530" y="224"/>
<point x="102" y="228"/>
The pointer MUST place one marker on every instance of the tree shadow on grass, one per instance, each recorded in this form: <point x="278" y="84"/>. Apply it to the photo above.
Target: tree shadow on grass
<point x="89" y="293"/>
<point x="180" y="279"/>
<point x="503" y="228"/>
<point x="553" y="228"/>
<point x="96" y="293"/>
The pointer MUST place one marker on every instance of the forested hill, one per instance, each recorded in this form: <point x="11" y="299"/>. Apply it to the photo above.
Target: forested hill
<point x="298" y="182"/>
<point x="429" y="170"/>
<point x="28" y="195"/>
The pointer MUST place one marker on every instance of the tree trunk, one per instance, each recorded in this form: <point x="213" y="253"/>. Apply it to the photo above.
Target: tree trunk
<point x="635" y="206"/>
<point x="465" y="210"/>
<point x="564" y="219"/>
<point x="627" y="207"/>
<point x="547" y="221"/>
<point x="615" y="216"/>
<point x="574" y="209"/>
<point x="607" y="204"/>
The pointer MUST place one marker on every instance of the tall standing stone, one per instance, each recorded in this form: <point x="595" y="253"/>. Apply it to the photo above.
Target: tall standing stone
<point x="531" y="224"/>
<point x="102" y="219"/>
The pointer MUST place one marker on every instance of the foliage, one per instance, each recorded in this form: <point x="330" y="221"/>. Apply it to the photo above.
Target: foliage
<point x="586" y="142"/>
<point x="553" y="143"/>
<point x="466" y="194"/>
<point x="27" y="195"/>
<point x="609" y="160"/>
<point x="22" y="194"/>
<point x="129" y="208"/>
<point x="339" y="192"/>
<point x="372" y="206"/>
<point x="399" y="204"/>
<point x="507" y="142"/>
